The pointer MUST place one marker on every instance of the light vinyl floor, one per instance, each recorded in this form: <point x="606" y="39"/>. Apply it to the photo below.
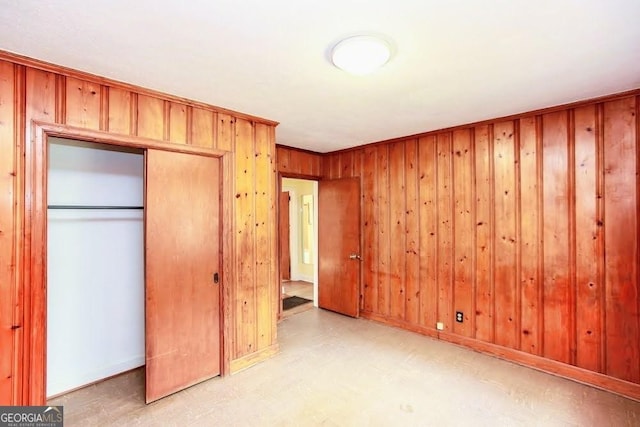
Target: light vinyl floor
<point x="336" y="371"/>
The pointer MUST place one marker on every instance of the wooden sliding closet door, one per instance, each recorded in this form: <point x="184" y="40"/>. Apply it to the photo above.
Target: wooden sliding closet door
<point x="182" y="302"/>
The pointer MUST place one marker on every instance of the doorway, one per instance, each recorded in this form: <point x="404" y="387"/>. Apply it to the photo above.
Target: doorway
<point x="298" y="244"/>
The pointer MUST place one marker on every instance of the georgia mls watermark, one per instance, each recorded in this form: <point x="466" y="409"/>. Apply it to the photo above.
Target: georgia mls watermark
<point x="31" y="416"/>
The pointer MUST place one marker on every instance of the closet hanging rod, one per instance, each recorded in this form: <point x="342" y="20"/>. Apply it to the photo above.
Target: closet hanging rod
<point x="92" y="207"/>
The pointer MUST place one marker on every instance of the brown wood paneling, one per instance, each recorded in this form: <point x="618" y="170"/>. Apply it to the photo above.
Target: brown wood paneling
<point x="246" y="327"/>
<point x="297" y="161"/>
<point x="202" y="129"/>
<point x="445" y="231"/>
<point x="151" y="117"/>
<point x="463" y="188"/>
<point x="506" y="313"/>
<point x="83" y="103"/>
<point x="397" y="248"/>
<point x="264" y="232"/>
<point x="412" y="225"/>
<point x="283" y="155"/>
<point x="331" y="166"/>
<point x="7" y="225"/>
<point x="484" y="233"/>
<point x="225" y="131"/>
<point x="347" y="164"/>
<point x="293" y="162"/>
<point x="588" y="241"/>
<point x="621" y="240"/>
<point x="178" y="123"/>
<point x="540" y="193"/>
<point x="529" y="236"/>
<point x="120" y="111"/>
<point x="427" y="171"/>
<point x="384" y="231"/>
<point x="370" y="230"/>
<point x="556" y="236"/>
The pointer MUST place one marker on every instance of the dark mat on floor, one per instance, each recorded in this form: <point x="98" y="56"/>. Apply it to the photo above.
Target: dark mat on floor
<point x="291" y="302"/>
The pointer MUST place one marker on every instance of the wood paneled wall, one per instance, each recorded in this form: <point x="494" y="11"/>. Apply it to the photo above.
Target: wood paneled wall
<point x="31" y="90"/>
<point x="528" y="226"/>
<point x="296" y="162"/>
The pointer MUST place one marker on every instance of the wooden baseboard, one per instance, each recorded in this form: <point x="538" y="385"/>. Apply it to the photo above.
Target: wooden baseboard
<point x="249" y="360"/>
<point x="595" y="379"/>
<point x="423" y="330"/>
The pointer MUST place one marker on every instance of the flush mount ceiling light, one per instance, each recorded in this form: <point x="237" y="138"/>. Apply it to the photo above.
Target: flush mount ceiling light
<point x="361" y="55"/>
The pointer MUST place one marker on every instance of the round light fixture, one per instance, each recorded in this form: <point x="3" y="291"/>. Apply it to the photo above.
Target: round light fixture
<point x="361" y="55"/>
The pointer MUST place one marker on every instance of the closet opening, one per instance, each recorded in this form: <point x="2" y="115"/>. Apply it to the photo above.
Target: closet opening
<point x="95" y="319"/>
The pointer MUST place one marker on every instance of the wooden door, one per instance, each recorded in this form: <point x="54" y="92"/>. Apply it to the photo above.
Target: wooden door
<point x="182" y="301"/>
<point x="285" y="250"/>
<point x="339" y="245"/>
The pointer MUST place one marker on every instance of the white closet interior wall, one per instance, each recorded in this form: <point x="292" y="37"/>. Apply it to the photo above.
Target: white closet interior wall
<point x="95" y="264"/>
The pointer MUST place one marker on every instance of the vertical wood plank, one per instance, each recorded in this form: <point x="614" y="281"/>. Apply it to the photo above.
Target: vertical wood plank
<point x="347" y="161"/>
<point x="283" y="159"/>
<point x="316" y="167"/>
<point x="119" y="111"/>
<point x="178" y="123"/>
<point x="463" y="230"/>
<point x="326" y="166"/>
<point x="505" y="279"/>
<point x="412" y="279"/>
<point x="484" y="234"/>
<point x="621" y="239"/>
<point x="397" y="266"/>
<point x="41" y="95"/>
<point x="529" y="235"/>
<point x="224" y="131"/>
<point x="83" y="103"/>
<point x="384" y="231"/>
<point x="202" y="132"/>
<point x="245" y="239"/>
<point x="588" y="241"/>
<point x="275" y="278"/>
<point x="556" y="237"/>
<point x="370" y="230"/>
<point x="427" y="171"/>
<point x="150" y="117"/>
<point x="298" y="162"/>
<point x="264" y="209"/>
<point x="7" y="226"/>
<point x="445" y="231"/>
<point x="333" y="166"/>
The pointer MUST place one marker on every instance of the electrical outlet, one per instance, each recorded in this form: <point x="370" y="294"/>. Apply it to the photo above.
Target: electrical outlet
<point x="459" y="317"/>
<point x="440" y="326"/>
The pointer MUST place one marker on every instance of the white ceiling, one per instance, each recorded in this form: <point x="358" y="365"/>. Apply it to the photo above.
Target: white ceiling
<point x="454" y="62"/>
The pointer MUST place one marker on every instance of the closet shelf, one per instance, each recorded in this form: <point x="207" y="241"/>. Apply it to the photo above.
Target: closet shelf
<point x="92" y="207"/>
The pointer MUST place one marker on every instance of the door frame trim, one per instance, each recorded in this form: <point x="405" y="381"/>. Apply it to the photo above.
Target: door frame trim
<point x="30" y="353"/>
